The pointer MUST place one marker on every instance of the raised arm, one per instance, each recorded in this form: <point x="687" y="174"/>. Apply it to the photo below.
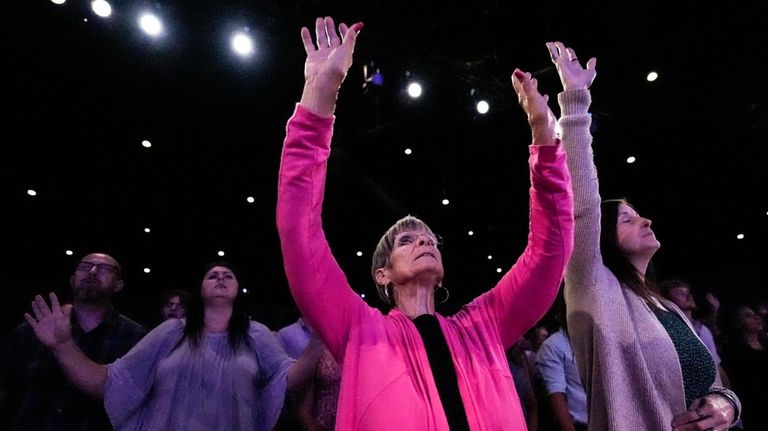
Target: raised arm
<point x="528" y="289"/>
<point x="53" y="327"/>
<point x="318" y="285"/>
<point x="577" y="140"/>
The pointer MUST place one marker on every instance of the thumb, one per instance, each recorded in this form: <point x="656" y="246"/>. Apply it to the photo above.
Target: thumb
<point x="66" y="310"/>
<point x="352" y="31"/>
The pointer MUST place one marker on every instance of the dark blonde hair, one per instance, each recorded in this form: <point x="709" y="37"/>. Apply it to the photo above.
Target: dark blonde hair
<point x="384" y="251"/>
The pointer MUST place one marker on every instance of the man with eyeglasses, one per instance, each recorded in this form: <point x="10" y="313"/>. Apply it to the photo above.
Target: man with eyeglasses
<point x="36" y="391"/>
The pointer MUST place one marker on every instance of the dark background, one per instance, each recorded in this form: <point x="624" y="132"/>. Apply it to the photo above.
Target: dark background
<point x="79" y="97"/>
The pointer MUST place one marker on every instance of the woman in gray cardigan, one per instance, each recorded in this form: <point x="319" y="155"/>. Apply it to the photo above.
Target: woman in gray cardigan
<point x="642" y="365"/>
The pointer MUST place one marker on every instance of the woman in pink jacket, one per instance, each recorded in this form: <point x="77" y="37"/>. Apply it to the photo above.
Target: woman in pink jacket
<point x="413" y="369"/>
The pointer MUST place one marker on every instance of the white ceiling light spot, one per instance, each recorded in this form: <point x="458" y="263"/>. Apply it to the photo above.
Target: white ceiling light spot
<point x="242" y="44"/>
<point x="482" y="107"/>
<point x="101" y="8"/>
<point x="151" y="24"/>
<point x="415" y="90"/>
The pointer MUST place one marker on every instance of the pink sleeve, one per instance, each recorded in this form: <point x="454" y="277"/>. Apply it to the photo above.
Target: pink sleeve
<point x="529" y="288"/>
<point x="318" y="285"/>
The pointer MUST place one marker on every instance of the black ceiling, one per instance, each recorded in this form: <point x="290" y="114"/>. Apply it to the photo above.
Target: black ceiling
<point x="81" y="96"/>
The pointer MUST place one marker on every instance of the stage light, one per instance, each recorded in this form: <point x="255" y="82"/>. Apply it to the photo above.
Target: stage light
<point x="151" y="24"/>
<point x="242" y="44"/>
<point x="415" y="90"/>
<point x="482" y="107"/>
<point x="101" y="8"/>
<point x="652" y="76"/>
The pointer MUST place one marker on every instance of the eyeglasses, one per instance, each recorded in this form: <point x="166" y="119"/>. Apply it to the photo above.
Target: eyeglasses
<point x="102" y="268"/>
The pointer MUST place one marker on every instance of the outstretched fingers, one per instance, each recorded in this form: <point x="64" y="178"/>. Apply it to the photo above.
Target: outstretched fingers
<point x="55" y="306"/>
<point x="554" y="51"/>
<point x="31" y="320"/>
<point x="572" y="75"/>
<point x="349" y="34"/>
<point x="326" y="35"/>
<point x="524" y="84"/>
<point x="591" y="63"/>
<point x="320" y="33"/>
<point x="306" y="39"/>
<point x="40" y="308"/>
<point x="330" y="29"/>
<point x="518" y="76"/>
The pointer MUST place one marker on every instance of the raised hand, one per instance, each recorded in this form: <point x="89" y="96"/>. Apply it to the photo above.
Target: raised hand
<point x="540" y="117"/>
<point x="572" y="75"/>
<point x="328" y="60"/>
<point x="52" y="325"/>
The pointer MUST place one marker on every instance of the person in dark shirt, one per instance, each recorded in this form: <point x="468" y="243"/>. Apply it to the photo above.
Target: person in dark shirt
<point x="35" y="394"/>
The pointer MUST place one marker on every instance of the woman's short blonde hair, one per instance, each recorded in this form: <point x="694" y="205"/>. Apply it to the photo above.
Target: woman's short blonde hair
<point x="384" y="251"/>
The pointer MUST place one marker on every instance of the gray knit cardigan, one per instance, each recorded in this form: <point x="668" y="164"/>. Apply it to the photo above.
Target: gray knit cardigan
<point x="626" y="359"/>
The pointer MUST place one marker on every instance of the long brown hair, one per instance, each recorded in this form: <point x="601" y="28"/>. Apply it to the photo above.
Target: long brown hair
<point x="644" y="285"/>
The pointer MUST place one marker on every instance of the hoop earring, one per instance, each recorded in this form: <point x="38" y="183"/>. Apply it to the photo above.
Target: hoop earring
<point x="389" y="299"/>
<point x="447" y="294"/>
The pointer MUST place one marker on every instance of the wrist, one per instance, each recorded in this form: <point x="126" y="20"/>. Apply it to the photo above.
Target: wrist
<point x="62" y="347"/>
<point x="730" y="397"/>
<point x="319" y="97"/>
